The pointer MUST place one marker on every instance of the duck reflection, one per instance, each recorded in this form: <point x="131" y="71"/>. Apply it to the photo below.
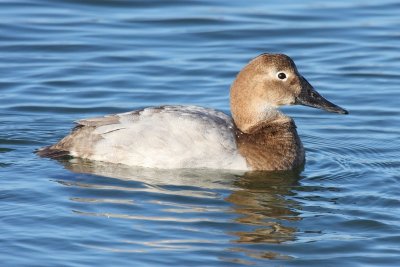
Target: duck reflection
<point x="263" y="199"/>
<point x="261" y="202"/>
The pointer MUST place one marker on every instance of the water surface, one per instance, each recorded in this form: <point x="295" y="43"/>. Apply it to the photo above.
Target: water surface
<point x="66" y="60"/>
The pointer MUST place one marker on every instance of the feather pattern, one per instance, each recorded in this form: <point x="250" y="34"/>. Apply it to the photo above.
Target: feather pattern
<point x="163" y="137"/>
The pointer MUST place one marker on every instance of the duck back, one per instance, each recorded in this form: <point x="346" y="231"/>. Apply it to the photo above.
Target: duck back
<point x="158" y="137"/>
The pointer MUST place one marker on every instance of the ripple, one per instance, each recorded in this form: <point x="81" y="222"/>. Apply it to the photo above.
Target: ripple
<point x="346" y="154"/>
<point x="150" y="189"/>
<point x="74" y="59"/>
<point x="147" y="218"/>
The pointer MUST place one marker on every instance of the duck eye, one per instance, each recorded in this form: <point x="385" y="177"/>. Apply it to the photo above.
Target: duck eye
<point x="281" y="75"/>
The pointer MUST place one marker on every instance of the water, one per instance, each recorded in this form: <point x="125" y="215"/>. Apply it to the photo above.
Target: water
<point x="66" y="60"/>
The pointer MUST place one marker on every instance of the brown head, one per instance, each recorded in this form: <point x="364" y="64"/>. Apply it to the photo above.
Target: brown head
<point x="268" y="82"/>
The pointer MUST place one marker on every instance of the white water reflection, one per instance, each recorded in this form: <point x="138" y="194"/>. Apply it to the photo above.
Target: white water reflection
<point x="245" y="208"/>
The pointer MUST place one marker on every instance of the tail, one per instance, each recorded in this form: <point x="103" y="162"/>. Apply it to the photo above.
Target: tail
<point x="51" y="152"/>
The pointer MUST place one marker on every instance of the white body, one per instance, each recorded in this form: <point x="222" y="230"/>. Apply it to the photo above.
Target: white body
<point x="167" y="137"/>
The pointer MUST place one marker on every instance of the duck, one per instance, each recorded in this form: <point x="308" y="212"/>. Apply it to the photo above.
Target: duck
<point x="257" y="137"/>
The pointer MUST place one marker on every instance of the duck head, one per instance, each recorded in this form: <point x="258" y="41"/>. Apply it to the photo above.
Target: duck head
<point x="268" y="82"/>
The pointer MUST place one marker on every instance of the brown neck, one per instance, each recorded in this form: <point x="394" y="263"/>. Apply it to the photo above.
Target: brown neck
<point x="271" y="145"/>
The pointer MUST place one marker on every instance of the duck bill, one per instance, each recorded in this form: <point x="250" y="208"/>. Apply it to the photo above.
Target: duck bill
<point x="310" y="97"/>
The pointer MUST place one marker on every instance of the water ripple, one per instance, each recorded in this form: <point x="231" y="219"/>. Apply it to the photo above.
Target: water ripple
<point x="73" y="59"/>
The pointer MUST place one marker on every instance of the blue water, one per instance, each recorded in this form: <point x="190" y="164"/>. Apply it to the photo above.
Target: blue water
<point x="65" y="60"/>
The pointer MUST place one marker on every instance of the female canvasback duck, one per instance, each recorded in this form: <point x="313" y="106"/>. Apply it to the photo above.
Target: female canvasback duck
<point x="259" y="137"/>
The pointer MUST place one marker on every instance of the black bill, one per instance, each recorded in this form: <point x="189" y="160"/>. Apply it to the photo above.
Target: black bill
<point x="310" y="97"/>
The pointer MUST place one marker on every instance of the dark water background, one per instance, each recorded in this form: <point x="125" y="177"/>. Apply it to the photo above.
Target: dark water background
<point x="65" y="60"/>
